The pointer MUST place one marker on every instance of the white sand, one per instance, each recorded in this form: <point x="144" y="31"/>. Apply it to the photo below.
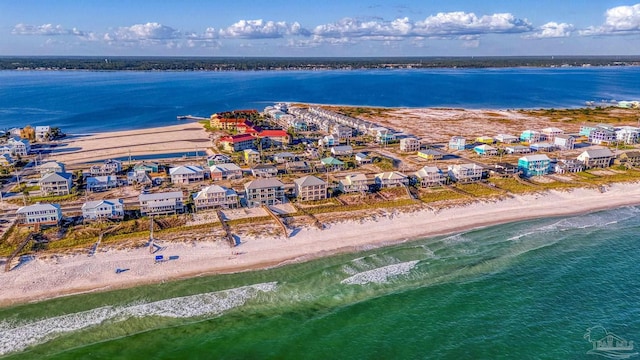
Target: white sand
<point x="46" y="278"/>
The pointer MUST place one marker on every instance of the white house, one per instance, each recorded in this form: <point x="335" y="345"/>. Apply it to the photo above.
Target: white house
<point x="51" y="167"/>
<point x="19" y="147"/>
<point x="55" y="184"/>
<point x="465" y="172"/>
<point x="564" y="142"/>
<point x="109" y="167"/>
<point x="430" y="176"/>
<point x="101" y="183"/>
<point x="42" y="133"/>
<point x="215" y="196"/>
<point x="506" y="138"/>
<point x="42" y="214"/>
<point x="596" y="158"/>
<point x="310" y="188"/>
<point x="186" y="174"/>
<point x="112" y="209"/>
<point x="354" y="183"/>
<point x="409" y="144"/>
<point x="268" y="191"/>
<point x="226" y="171"/>
<point x="342" y="150"/>
<point x="161" y="203"/>
<point x="264" y="170"/>
<point x="391" y="179"/>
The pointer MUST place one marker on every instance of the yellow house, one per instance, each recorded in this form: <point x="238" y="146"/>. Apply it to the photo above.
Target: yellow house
<point x="485" y="140"/>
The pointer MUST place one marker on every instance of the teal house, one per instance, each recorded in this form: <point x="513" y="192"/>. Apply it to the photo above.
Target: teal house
<point x="534" y="165"/>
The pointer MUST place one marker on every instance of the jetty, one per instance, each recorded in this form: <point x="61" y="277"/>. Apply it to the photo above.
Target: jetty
<point x="191" y="117"/>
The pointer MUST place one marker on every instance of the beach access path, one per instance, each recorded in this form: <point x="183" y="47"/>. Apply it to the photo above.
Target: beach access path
<point x="54" y="276"/>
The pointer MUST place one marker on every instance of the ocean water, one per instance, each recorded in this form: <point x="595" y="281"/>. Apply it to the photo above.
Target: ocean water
<point x="87" y="102"/>
<point x="527" y="290"/>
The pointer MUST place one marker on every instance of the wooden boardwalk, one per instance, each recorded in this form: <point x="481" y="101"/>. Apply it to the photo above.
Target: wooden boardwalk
<point x="277" y="219"/>
<point x="227" y="229"/>
<point x="23" y="244"/>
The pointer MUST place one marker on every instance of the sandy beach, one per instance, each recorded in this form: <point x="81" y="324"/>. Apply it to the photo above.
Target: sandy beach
<point x="186" y="137"/>
<point x="66" y="274"/>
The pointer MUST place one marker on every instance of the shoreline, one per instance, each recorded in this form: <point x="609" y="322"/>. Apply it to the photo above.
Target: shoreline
<point x="64" y="275"/>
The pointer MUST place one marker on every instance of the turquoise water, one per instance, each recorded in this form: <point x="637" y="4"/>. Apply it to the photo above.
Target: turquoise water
<point x="87" y="102"/>
<point x="525" y="290"/>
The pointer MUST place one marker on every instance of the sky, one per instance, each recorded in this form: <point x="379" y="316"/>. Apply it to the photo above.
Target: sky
<point x="335" y="28"/>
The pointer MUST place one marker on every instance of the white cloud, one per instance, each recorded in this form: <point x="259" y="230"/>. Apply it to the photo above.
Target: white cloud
<point x="150" y="32"/>
<point x="551" y="30"/>
<point x="349" y="27"/>
<point x="260" y="29"/>
<point x="618" y="20"/>
<point x="461" y="23"/>
<point x="50" y="30"/>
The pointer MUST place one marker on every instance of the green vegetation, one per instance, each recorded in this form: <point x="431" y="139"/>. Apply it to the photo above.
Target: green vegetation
<point x="443" y="194"/>
<point x="611" y="115"/>
<point x="512" y="185"/>
<point x="478" y="190"/>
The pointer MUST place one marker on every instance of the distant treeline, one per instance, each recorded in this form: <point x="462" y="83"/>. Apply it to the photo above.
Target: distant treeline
<point x="273" y="63"/>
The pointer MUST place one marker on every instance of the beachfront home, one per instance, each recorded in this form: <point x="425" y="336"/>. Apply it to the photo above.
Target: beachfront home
<point x="534" y="165"/>
<point x="409" y="144"/>
<point x="503" y="169"/>
<point x="550" y="133"/>
<point x="342" y="150"/>
<point x="517" y="149"/>
<point x="627" y="134"/>
<point x="264" y="170"/>
<point x="564" y="142"/>
<point x="218" y="159"/>
<point x="430" y="154"/>
<point x="108" y="167"/>
<point x="274" y="138"/>
<point x="148" y="167"/>
<point x="506" y="138"/>
<point x="264" y="192"/>
<point x="111" y="209"/>
<point x="430" y="176"/>
<point x="596" y="158"/>
<point x="19" y="147"/>
<point x="297" y="167"/>
<point x="140" y="177"/>
<point x="457" y="143"/>
<point x="327" y="141"/>
<point x="162" y="203"/>
<point x="186" y="174"/>
<point x="629" y="159"/>
<point x="332" y="164"/>
<point x="542" y="146"/>
<point x="43" y="133"/>
<point x="101" y="183"/>
<point x="39" y="214"/>
<point x="251" y="156"/>
<point x="55" y="184"/>
<point x="531" y="136"/>
<point x="354" y="183"/>
<point x="237" y="142"/>
<point x="485" y="150"/>
<point x="310" y="188"/>
<point x="391" y="179"/>
<point x="362" y="158"/>
<point x="51" y="167"/>
<point x="564" y="166"/>
<point x="227" y="171"/>
<point x="283" y="157"/>
<point x="383" y="135"/>
<point x="6" y="149"/>
<point x="465" y="173"/>
<point x="216" y="196"/>
<point x="485" y="140"/>
<point x="342" y="132"/>
<point x="586" y="129"/>
<point x="601" y="135"/>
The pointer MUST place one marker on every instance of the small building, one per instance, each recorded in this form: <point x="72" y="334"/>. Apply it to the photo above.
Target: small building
<point x="465" y="173"/>
<point x="596" y="158"/>
<point x="297" y="167"/>
<point x="163" y="203"/>
<point x="39" y="214"/>
<point x="237" y="142"/>
<point x="503" y="169"/>
<point x="342" y="150"/>
<point x="109" y="167"/>
<point x="148" y="167"/>
<point x="51" y="167"/>
<point x="283" y="157"/>
<point x="542" y="146"/>
<point x="362" y="158"/>
<point x="457" y="143"/>
<point x="264" y="170"/>
<point x="251" y="156"/>
<point x="328" y="141"/>
<point x="564" y="166"/>
<point x="101" y="183"/>
<point x="534" y="165"/>
<point x="550" y="133"/>
<point x="627" y="134"/>
<point x="517" y="149"/>
<point x="430" y="154"/>
<point x="430" y="176"/>
<point x="310" y="188"/>
<point x="506" y="138"/>
<point x="600" y="136"/>
<point x="43" y="133"/>
<point x="531" y="136"/>
<point x="112" y="209"/>
<point x="564" y="142"/>
<point x="342" y="132"/>
<point x="186" y="174"/>
<point x="332" y="164"/>
<point x="218" y="159"/>
<point x="485" y="150"/>
<point x="19" y="147"/>
<point x="264" y="192"/>
<point x="629" y="159"/>
<point x="139" y="177"/>
<point x="274" y="138"/>
<point x="409" y="144"/>
<point x="485" y="140"/>
<point x="55" y="184"/>
<point x="586" y="129"/>
<point x="391" y="179"/>
<point x="215" y="196"/>
<point x="354" y="183"/>
<point x="227" y="171"/>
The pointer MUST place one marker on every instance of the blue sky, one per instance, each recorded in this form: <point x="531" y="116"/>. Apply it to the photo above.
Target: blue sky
<point x="319" y="28"/>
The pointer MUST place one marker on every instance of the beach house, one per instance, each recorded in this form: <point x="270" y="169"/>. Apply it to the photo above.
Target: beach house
<point x="327" y="141"/>
<point x="332" y="164"/>
<point x="485" y="140"/>
<point x="218" y="159"/>
<point x="596" y="158"/>
<point x="587" y="128"/>
<point x="138" y="177"/>
<point x="465" y="173"/>
<point x="101" y="183"/>
<point x="39" y="214"/>
<point x="297" y="167"/>
<point x="268" y="191"/>
<point x="409" y="144"/>
<point x="602" y="135"/>
<point x="310" y="188"/>
<point x="564" y="141"/>
<point x="274" y="138"/>
<point x="531" y="136"/>
<point x="630" y="159"/>
<point x="162" y="203"/>
<point x="264" y="170"/>
<point x="391" y="179"/>
<point x="43" y="133"/>
<point x="283" y="157"/>
<point x="506" y="138"/>
<point x="457" y="143"/>
<point x="186" y="174"/>
<point x="342" y="150"/>
<point x="55" y="184"/>
<point x="430" y="176"/>
<point x="627" y="134"/>
<point x="485" y="150"/>
<point x="430" y="154"/>
<point x="227" y="171"/>
<point x="550" y="133"/>
<point x="564" y="166"/>
<point x="110" y="209"/>
<point x="534" y="165"/>
<point x="51" y="167"/>
<point x="342" y="132"/>
<point x="214" y="196"/>
<point x="362" y="158"/>
<point x="19" y="147"/>
<point x="251" y="156"/>
<point x="6" y="160"/>
<point x="108" y="167"/>
<point x="517" y="149"/>
<point x="354" y="183"/>
<point x="148" y="167"/>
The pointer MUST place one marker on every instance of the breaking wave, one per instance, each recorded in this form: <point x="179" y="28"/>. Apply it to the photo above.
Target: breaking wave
<point x="380" y="275"/>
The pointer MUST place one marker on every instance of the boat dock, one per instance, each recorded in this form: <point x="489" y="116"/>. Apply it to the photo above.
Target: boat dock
<point x="191" y="117"/>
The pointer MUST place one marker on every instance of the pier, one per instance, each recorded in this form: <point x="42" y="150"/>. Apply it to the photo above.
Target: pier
<point x="191" y="117"/>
